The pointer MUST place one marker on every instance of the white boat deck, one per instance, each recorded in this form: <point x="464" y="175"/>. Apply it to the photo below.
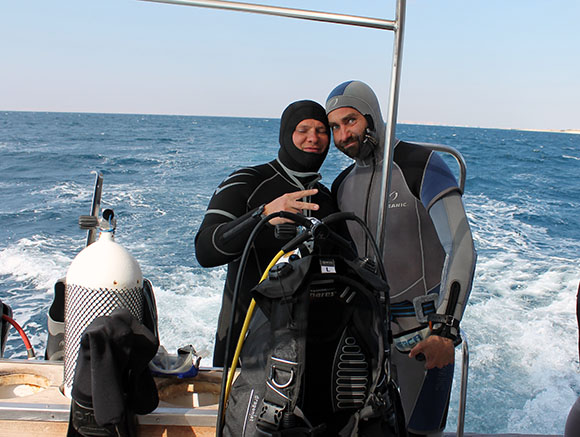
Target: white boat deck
<point x="32" y="404"/>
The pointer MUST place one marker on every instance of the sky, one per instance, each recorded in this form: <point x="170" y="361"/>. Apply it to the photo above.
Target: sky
<point x="481" y="63"/>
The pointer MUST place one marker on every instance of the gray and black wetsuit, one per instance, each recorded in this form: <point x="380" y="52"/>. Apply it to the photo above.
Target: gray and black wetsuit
<point x="428" y="245"/>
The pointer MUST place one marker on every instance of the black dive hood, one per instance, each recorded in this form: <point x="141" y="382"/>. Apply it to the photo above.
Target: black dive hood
<point x="290" y="155"/>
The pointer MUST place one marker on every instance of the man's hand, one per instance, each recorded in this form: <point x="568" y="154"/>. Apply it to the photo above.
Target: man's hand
<point x="438" y="351"/>
<point x="290" y="202"/>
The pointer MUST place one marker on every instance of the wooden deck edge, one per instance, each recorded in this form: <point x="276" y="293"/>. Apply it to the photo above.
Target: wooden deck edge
<point x="11" y="428"/>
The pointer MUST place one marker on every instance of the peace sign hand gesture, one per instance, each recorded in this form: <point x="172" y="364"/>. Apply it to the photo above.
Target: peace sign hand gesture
<point x="290" y="202"/>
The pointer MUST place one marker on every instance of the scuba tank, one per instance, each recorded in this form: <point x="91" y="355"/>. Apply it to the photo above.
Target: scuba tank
<point x="104" y="276"/>
<point x="110" y="333"/>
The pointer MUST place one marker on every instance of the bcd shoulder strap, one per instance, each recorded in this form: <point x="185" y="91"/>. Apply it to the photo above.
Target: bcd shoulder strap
<point x="285" y="303"/>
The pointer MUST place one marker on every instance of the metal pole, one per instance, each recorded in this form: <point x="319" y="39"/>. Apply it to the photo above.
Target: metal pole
<point x="391" y="123"/>
<point x="328" y="17"/>
<point x="95" y="206"/>
<point x="463" y="392"/>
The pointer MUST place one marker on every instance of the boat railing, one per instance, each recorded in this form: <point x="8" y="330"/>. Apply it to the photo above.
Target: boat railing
<point x="304" y="14"/>
<point x="463" y="386"/>
<point x="453" y="152"/>
<point x="465" y="346"/>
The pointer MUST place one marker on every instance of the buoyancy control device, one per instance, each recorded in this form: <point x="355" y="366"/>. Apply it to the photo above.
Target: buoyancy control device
<point x="316" y="359"/>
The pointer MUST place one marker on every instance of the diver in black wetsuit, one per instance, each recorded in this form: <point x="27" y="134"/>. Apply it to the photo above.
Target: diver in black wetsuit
<point x="288" y="183"/>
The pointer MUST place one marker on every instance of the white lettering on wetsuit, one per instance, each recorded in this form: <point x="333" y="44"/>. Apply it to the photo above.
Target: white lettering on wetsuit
<point x="392" y="197"/>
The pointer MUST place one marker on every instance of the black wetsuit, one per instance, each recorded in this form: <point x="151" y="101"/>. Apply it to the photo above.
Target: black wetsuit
<point x="236" y="200"/>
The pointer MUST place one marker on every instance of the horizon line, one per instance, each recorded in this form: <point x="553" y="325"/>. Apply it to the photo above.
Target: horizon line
<point x="402" y="122"/>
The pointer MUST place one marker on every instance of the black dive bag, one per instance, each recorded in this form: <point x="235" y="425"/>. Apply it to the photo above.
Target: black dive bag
<point x="313" y="362"/>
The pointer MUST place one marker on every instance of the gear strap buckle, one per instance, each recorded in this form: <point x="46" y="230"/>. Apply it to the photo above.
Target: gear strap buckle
<point x="424" y="306"/>
<point x="447" y="323"/>
<point x="270" y="415"/>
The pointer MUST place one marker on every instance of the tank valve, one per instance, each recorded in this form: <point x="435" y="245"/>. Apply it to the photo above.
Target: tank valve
<point x="108" y="223"/>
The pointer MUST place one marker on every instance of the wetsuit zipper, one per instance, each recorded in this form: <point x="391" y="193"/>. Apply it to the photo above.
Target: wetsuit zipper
<point x="367" y="205"/>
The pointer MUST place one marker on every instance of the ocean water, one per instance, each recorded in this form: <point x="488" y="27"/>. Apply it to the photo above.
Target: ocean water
<point x="522" y="198"/>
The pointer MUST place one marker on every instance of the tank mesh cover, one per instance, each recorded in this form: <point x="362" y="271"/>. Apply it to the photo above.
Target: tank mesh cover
<point x="82" y="306"/>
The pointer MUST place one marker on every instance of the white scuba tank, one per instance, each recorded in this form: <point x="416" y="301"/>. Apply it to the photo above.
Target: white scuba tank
<point x="102" y="277"/>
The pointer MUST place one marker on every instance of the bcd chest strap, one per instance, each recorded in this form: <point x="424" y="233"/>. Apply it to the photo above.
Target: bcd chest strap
<point x="420" y="308"/>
